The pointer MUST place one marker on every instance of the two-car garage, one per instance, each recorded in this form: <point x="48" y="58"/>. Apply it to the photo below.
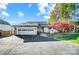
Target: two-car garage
<point x="26" y="31"/>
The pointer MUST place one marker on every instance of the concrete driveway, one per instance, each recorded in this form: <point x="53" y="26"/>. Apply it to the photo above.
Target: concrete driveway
<point x="46" y="48"/>
<point x="17" y="47"/>
<point x="35" y="38"/>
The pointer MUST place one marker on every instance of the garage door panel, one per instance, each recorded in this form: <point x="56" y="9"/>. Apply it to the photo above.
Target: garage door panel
<point x="27" y="32"/>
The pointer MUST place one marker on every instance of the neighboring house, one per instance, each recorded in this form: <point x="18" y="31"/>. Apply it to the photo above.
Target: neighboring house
<point x="5" y="28"/>
<point x="31" y="28"/>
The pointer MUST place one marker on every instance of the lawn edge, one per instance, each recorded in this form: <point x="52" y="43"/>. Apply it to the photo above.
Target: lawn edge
<point x="75" y="44"/>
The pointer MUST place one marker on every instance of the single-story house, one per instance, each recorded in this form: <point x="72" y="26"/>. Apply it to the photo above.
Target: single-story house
<point x="31" y="28"/>
<point x="27" y="28"/>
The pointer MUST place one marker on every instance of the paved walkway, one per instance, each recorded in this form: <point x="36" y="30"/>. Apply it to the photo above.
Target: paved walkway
<point x="37" y="48"/>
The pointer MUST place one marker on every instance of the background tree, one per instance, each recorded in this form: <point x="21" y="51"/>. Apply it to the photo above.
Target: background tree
<point x="54" y="14"/>
<point x="52" y="17"/>
<point x="66" y="10"/>
<point x="62" y="11"/>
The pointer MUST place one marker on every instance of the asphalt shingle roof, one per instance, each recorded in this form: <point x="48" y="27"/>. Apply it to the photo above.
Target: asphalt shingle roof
<point x="4" y="22"/>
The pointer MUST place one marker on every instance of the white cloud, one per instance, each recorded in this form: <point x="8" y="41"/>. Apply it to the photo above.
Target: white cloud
<point x="51" y="7"/>
<point x="4" y="13"/>
<point x="41" y="8"/>
<point x="45" y="8"/>
<point x="3" y="5"/>
<point x="20" y="14"/>
<point x="46" y="17"/>
<point x="29" y="5"/>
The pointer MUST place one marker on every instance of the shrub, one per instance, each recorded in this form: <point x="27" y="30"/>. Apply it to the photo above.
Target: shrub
<point x="61" y="25"/>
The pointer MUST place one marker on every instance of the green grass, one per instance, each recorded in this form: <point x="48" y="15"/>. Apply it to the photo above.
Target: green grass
<point x="66" y="36"/>
<point x="71" y="37"/>
<point x="76" y="40"/>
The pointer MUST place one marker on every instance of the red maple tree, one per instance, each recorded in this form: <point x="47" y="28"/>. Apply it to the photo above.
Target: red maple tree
<point x="61" y="25"/>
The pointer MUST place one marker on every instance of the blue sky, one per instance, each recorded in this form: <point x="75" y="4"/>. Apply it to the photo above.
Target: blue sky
<point x="16" y="13"/>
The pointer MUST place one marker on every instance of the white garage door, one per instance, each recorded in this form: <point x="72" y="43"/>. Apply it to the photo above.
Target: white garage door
<point x="27" y="31"/>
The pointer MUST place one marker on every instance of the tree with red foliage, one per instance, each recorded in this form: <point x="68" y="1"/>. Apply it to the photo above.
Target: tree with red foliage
<point x="62" y="25"/>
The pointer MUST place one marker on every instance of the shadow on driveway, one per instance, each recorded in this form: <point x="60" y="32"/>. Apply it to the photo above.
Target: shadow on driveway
<point x="3" y="37"/>
<point x="35" y="38"/>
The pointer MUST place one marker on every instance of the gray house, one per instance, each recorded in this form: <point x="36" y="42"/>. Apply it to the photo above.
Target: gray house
<point x="31" y="28"/>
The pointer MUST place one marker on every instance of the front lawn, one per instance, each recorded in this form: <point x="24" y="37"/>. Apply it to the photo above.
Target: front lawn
<point x="74" y="38"/>
<point x="76" y="41"/>
<point x="66" y="36"/>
